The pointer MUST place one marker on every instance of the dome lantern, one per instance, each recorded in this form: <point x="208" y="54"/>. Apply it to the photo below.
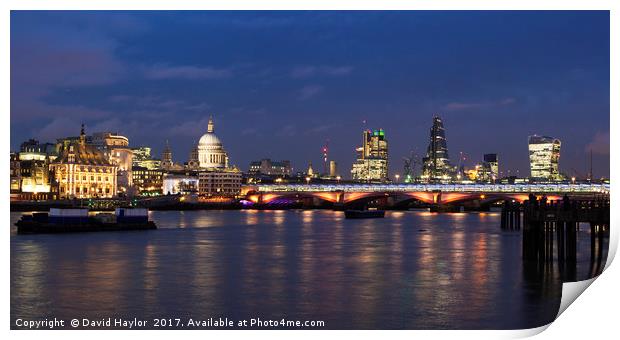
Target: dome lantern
<point x="210" y="125"/>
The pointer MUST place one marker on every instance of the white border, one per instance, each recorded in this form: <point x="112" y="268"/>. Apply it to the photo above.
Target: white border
<point x="592" y="317"/>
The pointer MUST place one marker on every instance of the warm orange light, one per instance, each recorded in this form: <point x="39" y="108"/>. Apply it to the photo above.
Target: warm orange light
<point x="427" y="197"/>
<point x="327" y="196"/>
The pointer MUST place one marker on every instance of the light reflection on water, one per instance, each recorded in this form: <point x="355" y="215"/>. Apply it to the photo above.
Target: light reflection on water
<point x="409" y="270"/>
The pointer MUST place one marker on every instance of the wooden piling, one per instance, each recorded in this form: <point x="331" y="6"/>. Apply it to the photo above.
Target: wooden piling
<point x="542" y="219"/>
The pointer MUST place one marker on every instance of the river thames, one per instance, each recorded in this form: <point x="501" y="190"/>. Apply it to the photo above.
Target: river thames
<point x="410" y="270"/>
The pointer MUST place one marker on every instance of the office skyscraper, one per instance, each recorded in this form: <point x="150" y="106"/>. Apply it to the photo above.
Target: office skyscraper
<point x="436" y="165"/>
<point x="372" y="158"/>
<point x="491" y="166"/>
<point x="544" y="158"/>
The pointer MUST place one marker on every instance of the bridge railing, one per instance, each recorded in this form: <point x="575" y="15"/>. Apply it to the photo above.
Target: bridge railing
<point x="505" y="188"/>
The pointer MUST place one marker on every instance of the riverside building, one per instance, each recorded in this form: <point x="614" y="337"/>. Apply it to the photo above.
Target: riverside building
<point x="268" y="167"/>
<point x="116" y="148"/>
<point x="147" y="182"/>
<point x="226" y="182"/>
<point x="83" y="171"/>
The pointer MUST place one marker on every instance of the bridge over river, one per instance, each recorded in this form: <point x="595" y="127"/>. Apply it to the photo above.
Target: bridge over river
<point x="394" y="195"/>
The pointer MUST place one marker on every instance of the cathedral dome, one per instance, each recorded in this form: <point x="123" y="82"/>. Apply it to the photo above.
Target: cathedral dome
<point x="210" y="140"/>
<point x="211" y="153"/>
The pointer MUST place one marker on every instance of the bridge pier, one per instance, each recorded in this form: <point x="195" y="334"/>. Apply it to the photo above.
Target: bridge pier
<point x="439" y="207"/>
<point x="476" y="205"/>
<point x="444" y="208"/>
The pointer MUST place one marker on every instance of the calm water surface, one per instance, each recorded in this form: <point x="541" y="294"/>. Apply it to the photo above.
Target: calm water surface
<point x="410" y="270"/>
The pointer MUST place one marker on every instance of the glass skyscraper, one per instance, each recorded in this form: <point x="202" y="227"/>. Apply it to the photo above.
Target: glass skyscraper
<point x="544" y="158"/>
<point x="436" y="165"/>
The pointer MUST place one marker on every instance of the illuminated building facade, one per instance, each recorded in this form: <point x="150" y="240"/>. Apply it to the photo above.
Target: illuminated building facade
<point x="141" y="154"/>
<point x="270" y="168"/>
<point x="436" y="165"/>
<point x="333" y="169"/>
<point x="34" y="174"/>
<point x="544" y="158"/>
<point x="116" y="148"/>
<point x="372" y="158"/>
<point x="225" y="182"/>
<point x="16" y="178"/>
<point x="32" y="146"/>
<point x="491" y="165"/>
<point x="30" y="173"/>
<point x="83" y="171"/>
<point x="142" y="158"/>
<point x="310" y="172"/>
<point x="147" y="182"/>
<point x="180" y="183"/>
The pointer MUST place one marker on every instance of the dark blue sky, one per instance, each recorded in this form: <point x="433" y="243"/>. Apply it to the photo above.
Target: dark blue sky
<point x="280" y="83"/>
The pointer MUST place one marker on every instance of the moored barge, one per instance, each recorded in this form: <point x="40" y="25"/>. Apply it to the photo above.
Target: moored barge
<point x="79" y="220"/>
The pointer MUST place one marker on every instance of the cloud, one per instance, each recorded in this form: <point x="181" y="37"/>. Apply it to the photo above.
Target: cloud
<point x="57" y="128"/>
<point x="190" y="128"/>
<point x="309" y="91"/>
<point x="64" y="126"/>
<point x="321" y="128"/>
<point x="599" y="144"/>
<point x="161" y="103"/>
<point x="189" y="72"/>
<point x="32" y="112"/>
<point x="242" y="20"/>
<point x="461" y="106"/>
<point x="287" y="131"/>
<point x="61" y="55"/>
<point x="250" y="132"/>
<point x="247" y="112"/>
<point x="109" y="125"/>
<point x="53" y="52"/>
<point x="312" y="71"/>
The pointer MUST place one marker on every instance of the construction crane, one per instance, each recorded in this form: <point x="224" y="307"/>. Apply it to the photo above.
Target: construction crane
<point x="410" y="164"/>
<point x="460" y="171"/>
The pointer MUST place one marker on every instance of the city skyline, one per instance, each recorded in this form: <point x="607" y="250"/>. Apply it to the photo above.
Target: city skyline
<point x="142" y="74"/>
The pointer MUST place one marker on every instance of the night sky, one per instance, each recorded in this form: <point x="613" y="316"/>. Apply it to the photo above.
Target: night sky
<point x="279" y="84"/>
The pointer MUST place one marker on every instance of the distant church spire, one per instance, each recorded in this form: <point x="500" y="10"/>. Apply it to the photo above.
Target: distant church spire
<point x="210" y="125"/>
<point x="166" y="157"/>
<point x="82" y="135"/>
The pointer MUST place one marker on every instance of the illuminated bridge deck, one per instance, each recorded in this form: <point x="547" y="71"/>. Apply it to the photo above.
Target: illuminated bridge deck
<point x="459" y="188"/>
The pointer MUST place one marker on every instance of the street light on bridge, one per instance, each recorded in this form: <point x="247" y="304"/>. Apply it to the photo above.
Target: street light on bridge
<point x="397" y="177"/>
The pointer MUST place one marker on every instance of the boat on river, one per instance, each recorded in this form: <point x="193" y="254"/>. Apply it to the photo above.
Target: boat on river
<point x="80" y="220"/>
